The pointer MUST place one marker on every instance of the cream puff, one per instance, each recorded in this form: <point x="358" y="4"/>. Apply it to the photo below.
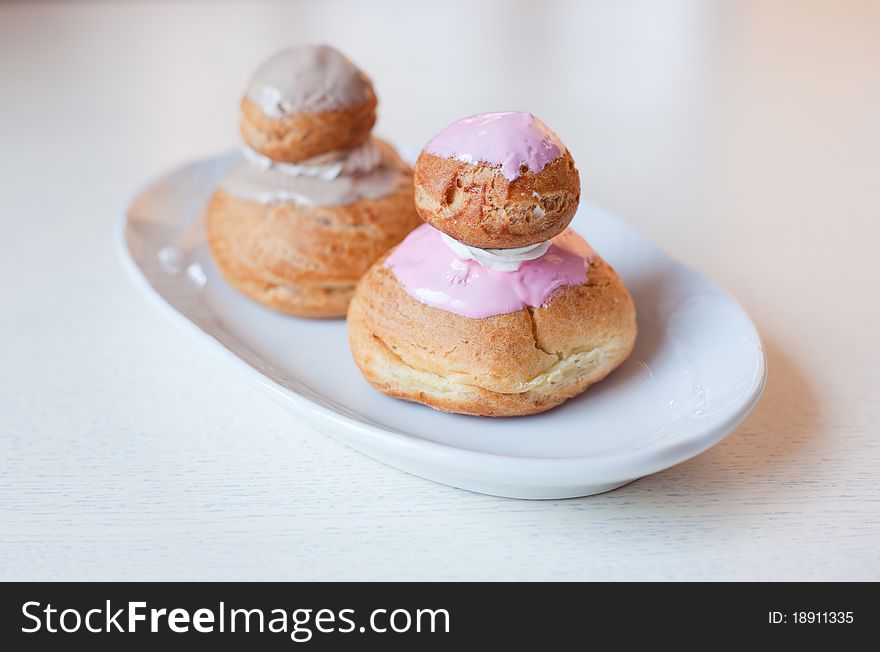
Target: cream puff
<point x="306" y="101"/>
<point x="313" y="200"/>
<point x="524" y="196"/>
<point x="494" y="307"/>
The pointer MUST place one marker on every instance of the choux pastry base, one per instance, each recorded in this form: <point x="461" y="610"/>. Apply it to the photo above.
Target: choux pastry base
<point x="512" y="364"/>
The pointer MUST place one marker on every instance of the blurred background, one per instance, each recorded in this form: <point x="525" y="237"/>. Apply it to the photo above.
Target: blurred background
<point x="704" y="123"/>
<point x="741" y="136"/>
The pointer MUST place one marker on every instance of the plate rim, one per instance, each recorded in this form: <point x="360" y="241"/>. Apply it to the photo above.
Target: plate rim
<point x="620" y="465"/>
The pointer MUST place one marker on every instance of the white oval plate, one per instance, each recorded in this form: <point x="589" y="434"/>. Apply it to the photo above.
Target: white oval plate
<point x="697" y="369"/>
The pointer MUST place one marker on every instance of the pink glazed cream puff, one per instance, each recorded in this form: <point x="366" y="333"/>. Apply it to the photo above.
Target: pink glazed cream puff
<point x="494" y="307"/>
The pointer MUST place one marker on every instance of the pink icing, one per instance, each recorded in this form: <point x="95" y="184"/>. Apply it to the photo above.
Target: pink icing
<point x="431" y="273"/>
<point x="510" y="140"/>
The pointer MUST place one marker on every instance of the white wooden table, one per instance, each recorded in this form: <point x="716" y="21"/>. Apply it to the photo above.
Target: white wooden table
<point x="743" y="137"/>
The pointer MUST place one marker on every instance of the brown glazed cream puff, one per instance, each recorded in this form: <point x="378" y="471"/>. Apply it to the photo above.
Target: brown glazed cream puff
<point x="314" y="199"/>
<point x="494" y="307"/>
<point x="306" y="101"/>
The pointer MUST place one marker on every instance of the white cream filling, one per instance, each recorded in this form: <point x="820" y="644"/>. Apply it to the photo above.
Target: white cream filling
<point x="360" y="160"/>
<point x="498" y="260"/>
